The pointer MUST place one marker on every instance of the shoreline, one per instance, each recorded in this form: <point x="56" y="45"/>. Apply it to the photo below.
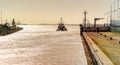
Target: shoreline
<point x="11" y="31"/>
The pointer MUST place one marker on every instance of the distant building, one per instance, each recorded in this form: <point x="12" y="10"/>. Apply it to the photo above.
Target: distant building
<point x="13" y="23"/>
<point x="115" y="25"/>
<point x="8" y="29"/>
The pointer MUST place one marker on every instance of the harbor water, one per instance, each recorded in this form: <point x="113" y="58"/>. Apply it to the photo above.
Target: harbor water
<point x="42" y="45"/>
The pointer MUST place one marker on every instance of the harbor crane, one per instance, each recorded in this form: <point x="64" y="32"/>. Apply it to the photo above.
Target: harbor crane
<point x="96" y="19"/>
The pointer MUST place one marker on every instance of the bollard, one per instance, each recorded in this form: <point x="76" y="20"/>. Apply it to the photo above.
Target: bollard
<point x="119" y="42"/>
<point x="111" y="38"/>
<point x="105" y="35"/>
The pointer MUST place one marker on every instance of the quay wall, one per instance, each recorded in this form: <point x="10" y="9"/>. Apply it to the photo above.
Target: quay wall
<point x="94" y="61"/>
<point x="98" y="57"/>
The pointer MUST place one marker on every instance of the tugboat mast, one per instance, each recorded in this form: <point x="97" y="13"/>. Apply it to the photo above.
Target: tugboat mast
<point x="1" y="17"/>
<point x="61" y="20"/>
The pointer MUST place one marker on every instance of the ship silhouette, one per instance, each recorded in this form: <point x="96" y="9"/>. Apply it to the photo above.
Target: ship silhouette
<point x="61" y="26"/>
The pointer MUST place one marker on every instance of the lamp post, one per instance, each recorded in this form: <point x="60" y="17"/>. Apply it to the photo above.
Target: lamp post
<point x="118" y="8"/>
<point x="107" y="17"/>
<point x="111" y="16"/>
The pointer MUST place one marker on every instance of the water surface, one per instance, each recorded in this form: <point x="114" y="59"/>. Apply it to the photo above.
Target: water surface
<point x="42" y="45"/>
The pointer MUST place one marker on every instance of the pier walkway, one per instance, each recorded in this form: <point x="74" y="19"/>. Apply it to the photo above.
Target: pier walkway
<point x="31" y="46"/>
<point x="101" y="58"/>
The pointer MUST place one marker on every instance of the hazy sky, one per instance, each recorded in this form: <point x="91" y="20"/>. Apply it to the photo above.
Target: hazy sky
<point x="49" y="11"/>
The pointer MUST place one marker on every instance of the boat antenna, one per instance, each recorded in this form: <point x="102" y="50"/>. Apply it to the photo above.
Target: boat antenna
<point x="61" y="20"/>
<point x="1" y="17"/>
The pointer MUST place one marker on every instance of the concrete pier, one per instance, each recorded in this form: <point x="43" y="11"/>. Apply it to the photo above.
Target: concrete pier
<point x="100" y="56"/>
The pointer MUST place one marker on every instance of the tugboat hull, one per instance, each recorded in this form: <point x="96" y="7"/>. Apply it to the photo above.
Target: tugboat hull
<point x="65" y="29"/>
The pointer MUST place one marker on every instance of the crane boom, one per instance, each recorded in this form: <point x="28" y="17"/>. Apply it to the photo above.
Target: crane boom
<point x="95" y="19"/>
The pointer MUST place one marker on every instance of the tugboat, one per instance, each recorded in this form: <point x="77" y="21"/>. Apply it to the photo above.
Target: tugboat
<point x="61" y="26"/>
